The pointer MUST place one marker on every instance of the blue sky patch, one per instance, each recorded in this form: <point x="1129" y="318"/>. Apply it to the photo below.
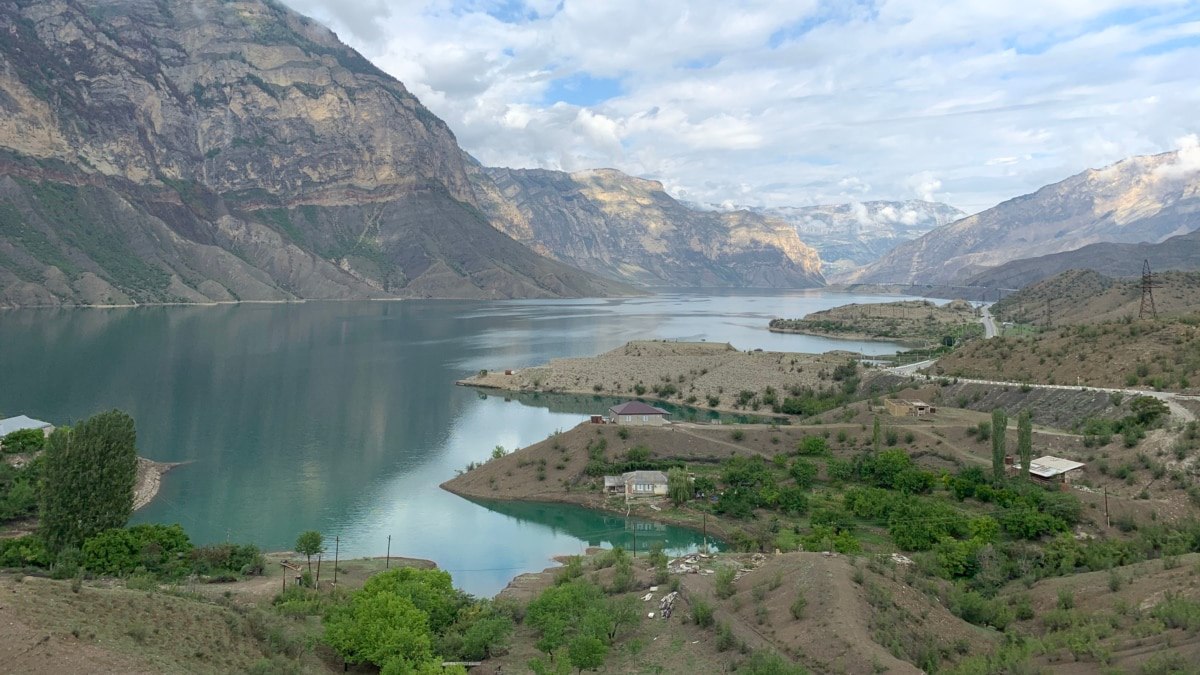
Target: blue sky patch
<point x="582" y="89"/>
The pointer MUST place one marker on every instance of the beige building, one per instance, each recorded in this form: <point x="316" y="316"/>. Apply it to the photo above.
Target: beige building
<point x="645" y="484"/>
<point x="898" y="407"/>
<point x="636" y="413"/>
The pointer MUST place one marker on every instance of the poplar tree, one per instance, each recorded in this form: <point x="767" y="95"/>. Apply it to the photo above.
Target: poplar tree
<point x="876" y="435"/>
<point x="1025" y="440"/>
<point x="999" y="426"/>
<point x="88" y="478"/>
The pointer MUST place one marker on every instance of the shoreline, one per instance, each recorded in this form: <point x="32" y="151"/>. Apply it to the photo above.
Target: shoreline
<point x="704" y="376"/>
<point x="716" y="532"/>
<point x="859" y="337"/>
<point x="149" y="480"/>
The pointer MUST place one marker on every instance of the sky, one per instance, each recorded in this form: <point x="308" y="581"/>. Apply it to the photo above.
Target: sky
<point x="797" y="102"/>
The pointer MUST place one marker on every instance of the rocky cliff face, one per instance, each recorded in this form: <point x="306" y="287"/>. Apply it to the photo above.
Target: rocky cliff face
<point x="1142" y="199"/>
<point x="851" y="235"/>
<point x="194" y="150"/>
<point x="630" y="229"/>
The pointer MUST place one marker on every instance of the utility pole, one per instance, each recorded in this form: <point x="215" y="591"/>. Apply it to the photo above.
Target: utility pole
<point x="337" y="541"/>
<point x="317" y="583"/>
<point x="705" y="533"/>
<point x="1148" y="287"/>
<point x="635" y="540"/>
<point x="388" y="561"/>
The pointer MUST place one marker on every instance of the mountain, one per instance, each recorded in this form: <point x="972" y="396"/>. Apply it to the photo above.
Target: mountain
<point x="205" y="150"/>
<point x="851" y="235"/>
<point x="1141" y="199"/>
<point x="629" y="229"/>
<point x="1181" y="252"/>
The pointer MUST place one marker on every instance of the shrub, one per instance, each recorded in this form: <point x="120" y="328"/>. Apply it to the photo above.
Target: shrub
<point x="702" y="613"/>
<point x="798" y="605"/>
<point x="724" y="582"/>
<point x="25" y="440"/>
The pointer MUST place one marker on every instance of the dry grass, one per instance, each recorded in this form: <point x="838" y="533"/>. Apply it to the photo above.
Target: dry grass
<point x="693" y="371"/>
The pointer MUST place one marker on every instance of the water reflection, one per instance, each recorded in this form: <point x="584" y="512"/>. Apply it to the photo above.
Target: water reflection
<point x="343" y="417"/>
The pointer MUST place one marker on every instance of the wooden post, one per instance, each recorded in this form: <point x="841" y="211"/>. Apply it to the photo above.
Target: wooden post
<point x="705" y="533"/>
<point x="635" y="540"/>
<point x="317" y="582"/>
<point x="388" y="562"/>
<point x="1107" y="522"/>
<point x="336" y="544"/>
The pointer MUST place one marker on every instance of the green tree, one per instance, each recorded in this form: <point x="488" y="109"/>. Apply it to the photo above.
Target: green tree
<point x="876" y="435"/>
<point x="587" y="653"/>
<point x="1025" y="441"/>
<point x="310" y="543"/>
<point x="804" y="472"/>
<point x="25" y="440"/>
<point x="999" y="426"/>
<point x="379" y="628"/>
<point x="88" y="476"/>
<point x="679" y="486"/>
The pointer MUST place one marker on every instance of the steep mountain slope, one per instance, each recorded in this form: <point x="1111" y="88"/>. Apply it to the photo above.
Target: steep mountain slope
<point x="630" y="229"/>
<point x="1142" y="199"/>
<point x="851" y="235"/>
<point x="1117" y="260"/>
<point x="196" y="150"/>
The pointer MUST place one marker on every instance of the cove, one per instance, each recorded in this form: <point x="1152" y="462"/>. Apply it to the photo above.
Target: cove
<point x="343" y="417"/>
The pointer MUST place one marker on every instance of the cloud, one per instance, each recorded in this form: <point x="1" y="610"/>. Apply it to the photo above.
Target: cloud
<point x="777" y="102"/>
<point x="1187" y="159"/>
<point x="925" y="186"/>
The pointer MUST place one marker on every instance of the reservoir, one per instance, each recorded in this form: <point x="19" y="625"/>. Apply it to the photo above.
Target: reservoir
<point x="343" y="417"/>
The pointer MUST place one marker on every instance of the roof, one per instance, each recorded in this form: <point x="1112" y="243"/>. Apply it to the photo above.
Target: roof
<point x="614" y="481"/>
<point x="912" y="404"/>
<point x="644" y="477"/>
<point x="19" y="423"/>
<point x="1049" y="466"/>
<point x="636" y="408"/>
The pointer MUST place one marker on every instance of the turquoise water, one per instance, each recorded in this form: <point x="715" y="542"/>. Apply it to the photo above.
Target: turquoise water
<point x="343" y="417"/>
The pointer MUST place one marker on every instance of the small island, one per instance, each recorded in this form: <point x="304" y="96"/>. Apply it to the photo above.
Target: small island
<point x="908" y="321"/>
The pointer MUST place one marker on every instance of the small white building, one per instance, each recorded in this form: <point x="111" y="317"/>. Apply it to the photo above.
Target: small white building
<point x="1051" y="469"/>
<point x="21" y="423"/>
<point x="638" y="414"/>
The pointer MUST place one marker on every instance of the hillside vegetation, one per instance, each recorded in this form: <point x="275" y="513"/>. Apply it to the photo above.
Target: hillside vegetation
<point x="1088" y="297"/>
<point x="909" y="320"/>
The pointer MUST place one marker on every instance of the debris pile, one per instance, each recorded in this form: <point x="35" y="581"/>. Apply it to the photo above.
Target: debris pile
<point x="667" y="604"/>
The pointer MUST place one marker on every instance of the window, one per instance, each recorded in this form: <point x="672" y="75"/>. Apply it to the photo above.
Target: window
<point x="645" y="418"/>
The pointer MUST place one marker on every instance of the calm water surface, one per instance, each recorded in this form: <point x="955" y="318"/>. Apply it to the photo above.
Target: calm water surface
<point x="343" y="417"/>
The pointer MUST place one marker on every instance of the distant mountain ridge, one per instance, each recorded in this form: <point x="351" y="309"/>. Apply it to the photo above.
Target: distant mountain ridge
<point x="854" y="234"/>
<point x="1141" y="199"/>
<point x="629" y="229"/>
<point x="203" y="150"/>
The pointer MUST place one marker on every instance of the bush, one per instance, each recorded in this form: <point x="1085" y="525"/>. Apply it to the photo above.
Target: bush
<point x="23" y="441"/>
<point x="798" y="606"/>
<point x="219" y="559"/>
<point x="160" y="549"/>
<point x="702" y="613"/>
<point x="724" y="582"/>
<point x="27" y="551"/>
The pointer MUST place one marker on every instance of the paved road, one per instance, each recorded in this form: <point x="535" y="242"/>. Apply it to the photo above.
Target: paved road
<point x="989" y="323"/>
